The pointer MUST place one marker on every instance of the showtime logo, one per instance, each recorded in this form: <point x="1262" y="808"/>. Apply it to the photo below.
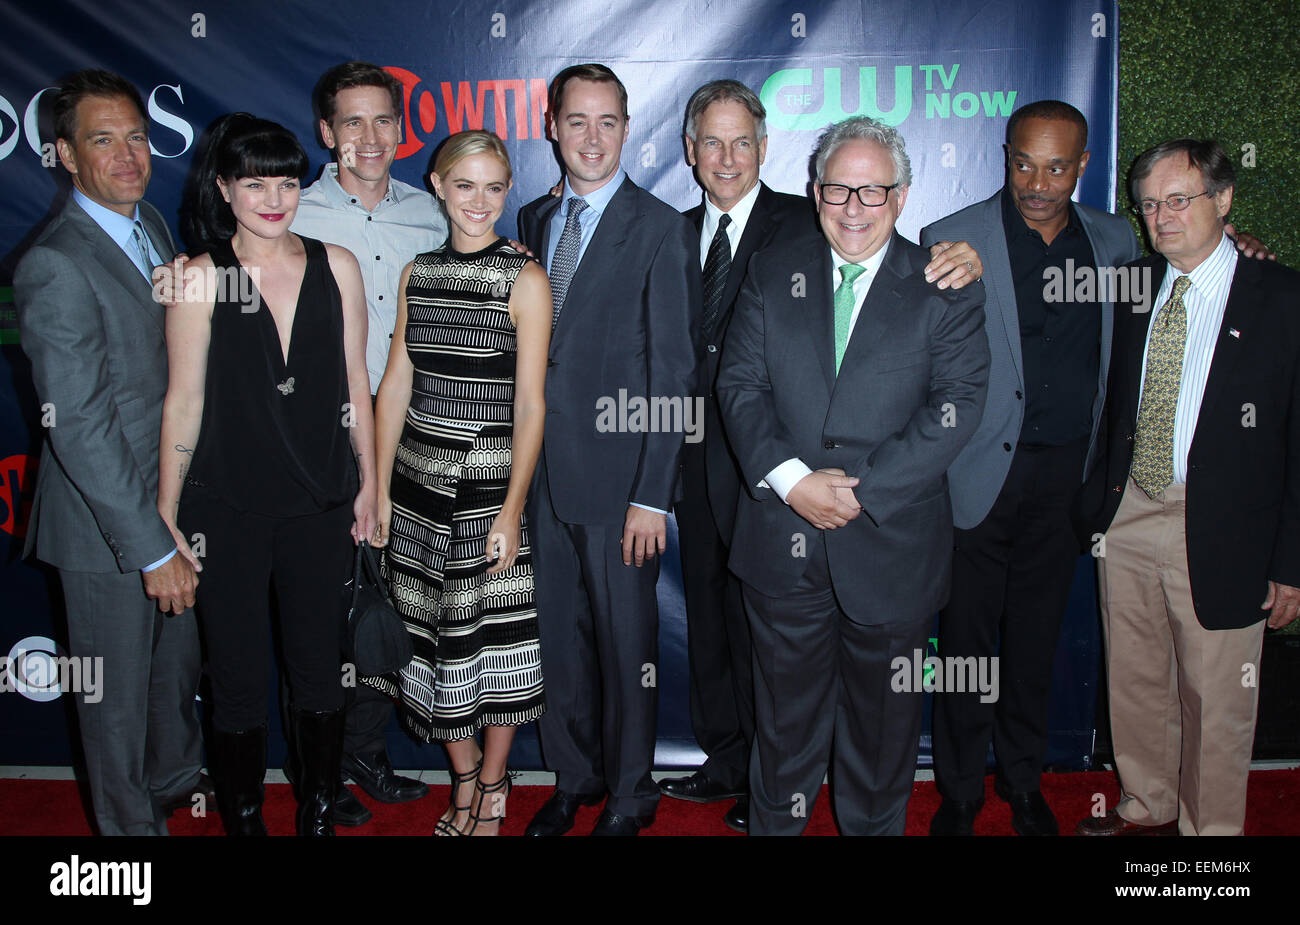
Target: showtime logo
<point x="464" y="106"/>
<point x="17" y="482"/>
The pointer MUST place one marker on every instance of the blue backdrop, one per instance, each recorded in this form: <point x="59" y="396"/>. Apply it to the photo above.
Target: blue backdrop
<point x="947" y="73"/>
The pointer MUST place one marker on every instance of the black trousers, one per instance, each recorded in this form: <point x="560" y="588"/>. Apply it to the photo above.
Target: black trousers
<point x="1011" y="580"/>
<point x="824" y="698"/>
<point x="599" y="622"/>
<point x="718" y="643"/>
<point x="307" y="560"/>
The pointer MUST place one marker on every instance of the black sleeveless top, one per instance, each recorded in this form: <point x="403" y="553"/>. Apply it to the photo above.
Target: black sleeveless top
<point x="275" y="436"/>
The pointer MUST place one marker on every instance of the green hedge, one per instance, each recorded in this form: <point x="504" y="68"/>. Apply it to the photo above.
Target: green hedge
<point x="1227" y="71"/>
<point x="1224" y="71"/>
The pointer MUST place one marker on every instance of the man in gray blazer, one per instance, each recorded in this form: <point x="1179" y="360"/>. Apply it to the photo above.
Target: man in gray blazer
<point x="1014" y="551"/>
<point x="95" y="339"/>
<point x="842" y="359"/>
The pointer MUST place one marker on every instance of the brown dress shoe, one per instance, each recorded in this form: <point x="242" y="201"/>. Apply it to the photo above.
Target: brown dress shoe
<point x="1114" y="824"/>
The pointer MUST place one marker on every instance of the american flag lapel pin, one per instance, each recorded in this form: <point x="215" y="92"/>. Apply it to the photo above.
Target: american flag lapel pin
<point x="1235" y="333"/>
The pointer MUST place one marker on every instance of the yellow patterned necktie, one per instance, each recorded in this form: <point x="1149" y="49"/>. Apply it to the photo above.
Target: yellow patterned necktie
<point x="1153" y="451"/>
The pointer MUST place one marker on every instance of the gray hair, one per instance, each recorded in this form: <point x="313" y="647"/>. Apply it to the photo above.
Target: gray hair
<point x="716" y="91"/>
<point x="864" y="128"/>
<point x="1207" y="156"/>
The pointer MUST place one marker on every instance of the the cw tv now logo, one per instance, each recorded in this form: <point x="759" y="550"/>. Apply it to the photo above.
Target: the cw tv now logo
<point x="518" y="107"/>
<point x="12" y="128"/>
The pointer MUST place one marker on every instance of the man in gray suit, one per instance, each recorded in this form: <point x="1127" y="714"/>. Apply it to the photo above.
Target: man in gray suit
<point x="95" y="339"/>
<point x="1012" y="486"/>
<point x="842" y="359"/>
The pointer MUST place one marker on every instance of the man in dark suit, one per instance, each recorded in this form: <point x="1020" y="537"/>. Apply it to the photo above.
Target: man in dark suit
<point x="95" y="339"/>
<point x="726" y="143"/>
<point x="1014" y="553"/>
<point x="1197" y="493"/>
<point x="842" y="358"/>
<point x="626" y="293"/>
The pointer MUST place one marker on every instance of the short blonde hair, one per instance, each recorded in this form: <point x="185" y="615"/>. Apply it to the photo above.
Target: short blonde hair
<point x="466" y="144"/>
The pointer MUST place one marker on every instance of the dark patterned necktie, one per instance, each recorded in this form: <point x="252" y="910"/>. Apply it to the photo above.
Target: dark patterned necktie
<point x="1153" y="447"/>
<point x="565" y="261"/>
<point x="717" y="265"/>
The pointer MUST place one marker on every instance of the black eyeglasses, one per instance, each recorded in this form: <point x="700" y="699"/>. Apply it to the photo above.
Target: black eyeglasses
<point x="1175" y="203"/>
<point x="836" y="194"/>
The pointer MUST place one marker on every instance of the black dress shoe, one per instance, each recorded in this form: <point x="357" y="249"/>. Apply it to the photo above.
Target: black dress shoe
<point x="373" y="773"/>
<point x="348" y="810"/>
<point x="614" y="824"/>
<point x="557" y="814"/>
<point x="737" y="818"/>
<point x="698" y="788"/>
<point x="1030" y="814"/>
<point x="186" y="799"/>
<point x="956" y="817"/>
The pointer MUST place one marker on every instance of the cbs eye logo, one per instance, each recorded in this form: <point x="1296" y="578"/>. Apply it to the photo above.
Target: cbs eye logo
<point x="32" y="669"/>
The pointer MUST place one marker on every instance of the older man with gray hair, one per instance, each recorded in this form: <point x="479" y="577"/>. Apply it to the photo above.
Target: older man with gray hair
<point x="848" y="385"/>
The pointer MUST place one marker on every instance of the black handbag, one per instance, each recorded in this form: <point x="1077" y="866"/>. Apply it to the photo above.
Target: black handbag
<point x="375" y="639"/>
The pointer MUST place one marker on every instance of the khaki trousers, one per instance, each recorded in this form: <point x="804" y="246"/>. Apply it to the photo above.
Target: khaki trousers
<point x="1182" y="698"/>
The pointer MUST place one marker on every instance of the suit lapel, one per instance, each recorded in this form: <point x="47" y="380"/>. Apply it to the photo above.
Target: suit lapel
<point x="818" y="306"/>
<point x="756" y="232"/>
<point x="999" y="283"/>
<point x="599" y="264"/>
<point x="542" y="232"/>
<point x="884" y="300"/>
<point x="114" y="261"/>
<point x="1243" y="296"/>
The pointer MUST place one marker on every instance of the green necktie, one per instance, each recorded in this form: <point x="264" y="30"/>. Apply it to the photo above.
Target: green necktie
<point x="1153" y="450"/>
<point x="844" y="309"/>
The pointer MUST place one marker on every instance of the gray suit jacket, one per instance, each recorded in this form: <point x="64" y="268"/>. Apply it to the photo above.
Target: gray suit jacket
<point x="907" y="398"/>
<point x="976" y="477"/>
<point x="94" y="335"/>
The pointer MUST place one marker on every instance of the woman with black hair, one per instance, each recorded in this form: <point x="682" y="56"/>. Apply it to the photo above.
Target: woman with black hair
<point x="267" y="389"/>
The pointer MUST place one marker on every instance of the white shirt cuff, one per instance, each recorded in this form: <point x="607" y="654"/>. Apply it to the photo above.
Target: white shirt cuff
<point x="161" y="562"/>
<point x="786" y="476"/>
<point x="646" y="507"/>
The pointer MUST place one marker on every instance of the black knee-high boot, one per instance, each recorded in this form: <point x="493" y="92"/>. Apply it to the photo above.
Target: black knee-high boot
<point x="239" y="766"/>
<point x="319" y="741"/>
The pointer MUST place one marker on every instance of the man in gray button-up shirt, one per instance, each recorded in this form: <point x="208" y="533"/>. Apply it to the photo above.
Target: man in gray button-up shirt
<point x="385" y="223"/>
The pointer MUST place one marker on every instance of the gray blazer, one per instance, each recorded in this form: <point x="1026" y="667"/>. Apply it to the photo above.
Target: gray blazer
<point x="94" y="335"/>
<point x="905" y="401"/>
<point x="976" y="476"/>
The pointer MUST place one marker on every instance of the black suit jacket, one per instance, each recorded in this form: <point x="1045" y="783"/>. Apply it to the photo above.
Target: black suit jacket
<point x="1243" y="478"/>
<point x="775" y="215"/>
<point x="627" y="327"/>
<point x="907" y="398"/>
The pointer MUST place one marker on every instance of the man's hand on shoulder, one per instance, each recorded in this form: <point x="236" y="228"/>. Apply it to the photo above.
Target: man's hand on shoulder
<point x="825" y="498"/>
<point x="171" y="584"/>
<point x="953" y="264"/>
<point x="643" y="532"/>
<point x="1249" y="245"/>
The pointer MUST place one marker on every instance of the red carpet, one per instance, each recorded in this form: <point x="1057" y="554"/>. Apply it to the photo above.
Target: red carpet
<point x="33" y="807"/>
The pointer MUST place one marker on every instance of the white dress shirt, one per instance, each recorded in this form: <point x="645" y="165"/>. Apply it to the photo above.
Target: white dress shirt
<point x="785" y="476"/>
<point x="1205" y="301"/>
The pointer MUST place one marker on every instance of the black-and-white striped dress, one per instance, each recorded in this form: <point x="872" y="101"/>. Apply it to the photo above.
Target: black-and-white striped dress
<point x="477" y="658"/>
